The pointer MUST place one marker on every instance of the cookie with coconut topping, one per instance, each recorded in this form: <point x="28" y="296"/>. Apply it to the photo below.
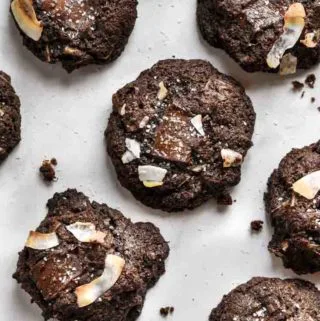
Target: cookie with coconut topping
<point x="10" y="118"/>
<point x="293" y="204"/>
<point x="87" y="262"/>
<point x="271" y="36"/>
<point x="178" y="134"/>
<point x="75" y="32"/>
<point x="271" y="299"/>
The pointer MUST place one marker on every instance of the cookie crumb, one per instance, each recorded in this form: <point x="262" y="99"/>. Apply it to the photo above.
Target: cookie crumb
<point x="310" y="80"/>
<point x="302" y="95"/>
<point x="318" y="108"/>
<point x="313" y="99"/>
<point x="47" y="171"/>
<point x="297" y="85"/>
<point x="224" y="199"/>
<point x="256" y="225"/>
<point x="164" y="312"/>
<point x="54" y="161"/>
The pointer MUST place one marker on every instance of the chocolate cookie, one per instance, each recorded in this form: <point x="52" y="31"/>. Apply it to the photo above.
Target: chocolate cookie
<point x="260" y="35"/>
<point x="293" y="203"/>
<point x="75" y="32"/>
<point x="10" y="118"/>
<point x="178" y="134"/>
<point x="270" y="299"/>
<point x="87" y="262"/>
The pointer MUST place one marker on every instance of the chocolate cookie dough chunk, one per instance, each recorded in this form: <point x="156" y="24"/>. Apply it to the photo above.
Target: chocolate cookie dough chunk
<point x="293" y="203"/>
<point x="75" y="32"/>
<point x="178" y="134"/>
<point x="10" y="118"/>
<point x="87" y="262"/>
<point x="271" y="36"/>
<point x="270" y="299"/>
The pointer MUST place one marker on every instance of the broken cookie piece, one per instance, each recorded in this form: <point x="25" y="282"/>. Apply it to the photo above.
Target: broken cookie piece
<point x="73" y="273"/>
<point x="182" y="113"/>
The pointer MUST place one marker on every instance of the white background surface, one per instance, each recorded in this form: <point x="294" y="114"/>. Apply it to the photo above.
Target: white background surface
<point x="65" y="116"/>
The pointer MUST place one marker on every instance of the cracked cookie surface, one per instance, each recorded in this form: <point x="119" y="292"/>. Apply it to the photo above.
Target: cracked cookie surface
<point x="248" y="29"/>
<point x="270" y="299"/>
<point x="295" y="218"/>
<point x="52" y="276"/>
<point x="10" y="118"/>
<point x="76" y="32"/>
<point x="178" y="134"/>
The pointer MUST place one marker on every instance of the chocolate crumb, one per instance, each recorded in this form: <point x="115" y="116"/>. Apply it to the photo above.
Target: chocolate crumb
<point x="319" y="108"/>
<point x="302" y="95"/>
<point x="313" y="99"/>
<point x="224" y="199"/>
<point x="164" y="312"/>
<point x="310" y="80"/>
<point x="54" y="161"/>
<point x="256" y="225"/>
<point x="47" y="171"/>
<point x="297" y="85"/>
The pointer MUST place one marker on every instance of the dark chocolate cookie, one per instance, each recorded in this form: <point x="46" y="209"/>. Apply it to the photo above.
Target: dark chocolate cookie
<point x="10" y="118"/>
<point x="270" y="299"/>
<point x="293" y="203"/>
<point x="75" y="32"/>
<point x="247" y="30"/>
<point x="87" y="262"/>
<point x="178" y="134"/>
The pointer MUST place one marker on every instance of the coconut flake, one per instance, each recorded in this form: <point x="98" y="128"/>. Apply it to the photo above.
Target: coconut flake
<point x="308" y="186"/>
<point x="293" y="27"/>
<point x="26" y="18"/>
<point x="163" y="91"/>
<point x="231" y="158"/>
<point x="88" y="293"/>
<point x="196" y="121"/>
<point x="151" y="176"/>
<point x="42" y="241"/>
<point x="122" y="109"/>
<point x="86" y="232"/>
<point x="133" y="151"/>
<point x="288" y="65"/>
<point x="144" y="122"/>
<point x="311" y="39"/>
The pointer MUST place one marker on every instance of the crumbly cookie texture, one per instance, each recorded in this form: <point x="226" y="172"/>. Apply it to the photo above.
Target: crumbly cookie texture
<point x="270" y="299"/>
<point x="87" y="262"/>
<point x="293" y="204"/>
<point x="189" y="128"/>
<point x="271" y="36"/>
<point x="75" y="32"/>
<point x="10" y="118"/>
